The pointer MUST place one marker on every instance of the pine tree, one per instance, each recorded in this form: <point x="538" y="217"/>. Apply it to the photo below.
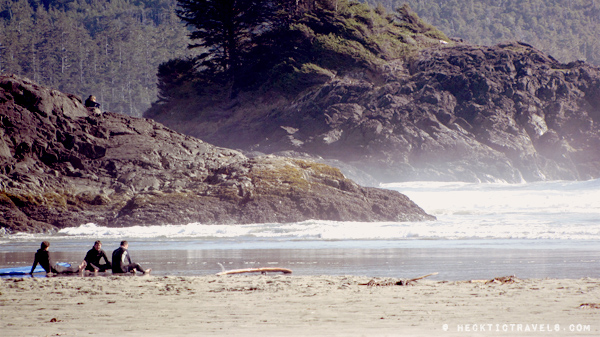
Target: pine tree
<point x="225" y="29"/>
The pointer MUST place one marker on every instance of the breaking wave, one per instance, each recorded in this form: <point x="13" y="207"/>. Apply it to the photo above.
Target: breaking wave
<point x="545" y="210"/>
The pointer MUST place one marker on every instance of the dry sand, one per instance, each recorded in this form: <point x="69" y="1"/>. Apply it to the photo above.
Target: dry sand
<point x="282" y="305"/>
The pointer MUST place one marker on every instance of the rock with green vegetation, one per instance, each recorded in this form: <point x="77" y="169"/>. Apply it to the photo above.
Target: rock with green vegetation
<point x="64" y="165"/>
<point x="567" y="29"/>
<point x="393" y="97"/>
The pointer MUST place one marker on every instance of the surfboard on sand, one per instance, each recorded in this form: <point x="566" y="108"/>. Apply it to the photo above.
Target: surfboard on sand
<point x="25" y="270"/>
<point x="255" y="270"/>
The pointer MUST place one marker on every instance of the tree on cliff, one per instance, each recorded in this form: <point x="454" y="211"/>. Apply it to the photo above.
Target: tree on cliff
<point x="294" y="44"/>
<point x="226" y="29"/>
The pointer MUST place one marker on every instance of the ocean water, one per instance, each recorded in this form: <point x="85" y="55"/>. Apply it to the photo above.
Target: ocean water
<point x="483" y="230"/>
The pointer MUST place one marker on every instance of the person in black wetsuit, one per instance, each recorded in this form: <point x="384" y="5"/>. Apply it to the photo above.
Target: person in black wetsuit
<point x="94" y="257"/>
<point x="42" y="256"/>
<point x="121" y="261"/>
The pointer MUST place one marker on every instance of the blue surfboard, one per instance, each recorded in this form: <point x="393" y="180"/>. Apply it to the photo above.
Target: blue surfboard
<point x="25" y="270"/>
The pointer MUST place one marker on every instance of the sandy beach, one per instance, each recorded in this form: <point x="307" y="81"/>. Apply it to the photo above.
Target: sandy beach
<point x="288" y="305"/>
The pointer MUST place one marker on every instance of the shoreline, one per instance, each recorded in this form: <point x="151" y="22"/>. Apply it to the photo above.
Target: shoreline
<point x="452" y="264"/>
<point x="289" y="305"/>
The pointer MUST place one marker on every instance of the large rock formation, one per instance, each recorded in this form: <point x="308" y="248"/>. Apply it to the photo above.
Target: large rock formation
<point x="64" y="165"/>
<point x="452" y="112"/>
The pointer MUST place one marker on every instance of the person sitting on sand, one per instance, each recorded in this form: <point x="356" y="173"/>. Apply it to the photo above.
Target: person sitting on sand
<point x="94" y="257"/>
<point x="121" y="261"/>
<point x="42" y="256"/>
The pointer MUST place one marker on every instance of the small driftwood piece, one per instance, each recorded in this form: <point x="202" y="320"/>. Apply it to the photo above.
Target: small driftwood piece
<point x="504" y="280"/>
<point x="590" y="306"/>
<point x="500" y="280"/>
<point x="374" y="283"/>
<point x="255" y="270"/>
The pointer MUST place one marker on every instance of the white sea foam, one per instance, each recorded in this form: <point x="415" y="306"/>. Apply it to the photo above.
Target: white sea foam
<point x="468" y="228"/>
<point x="546" y="210"/>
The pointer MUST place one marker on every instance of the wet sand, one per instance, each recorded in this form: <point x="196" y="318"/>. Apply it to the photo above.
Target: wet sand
<point x="375" y="259"/>
<point x="291" y="305"/>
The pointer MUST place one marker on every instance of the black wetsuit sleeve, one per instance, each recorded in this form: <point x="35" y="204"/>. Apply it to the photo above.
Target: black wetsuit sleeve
<point x="35" y="263"/>
<point x="89" y="259"/>
<point x="105" y="258"/>
<point x="49" y="265"/>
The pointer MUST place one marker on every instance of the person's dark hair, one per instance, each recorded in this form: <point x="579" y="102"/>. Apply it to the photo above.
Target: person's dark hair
<point x="97" y="242"/>
<point x="45" y="244"/>
<point x="123" y="243"/>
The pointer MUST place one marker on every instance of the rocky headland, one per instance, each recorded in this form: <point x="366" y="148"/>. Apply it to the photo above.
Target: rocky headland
<point x="62" y="165"/>
<point x="438" y="109"/>
<point x="466" y="113"/>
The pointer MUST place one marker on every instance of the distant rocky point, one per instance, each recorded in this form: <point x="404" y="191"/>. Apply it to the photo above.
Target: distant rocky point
<point x="63" y="165"/>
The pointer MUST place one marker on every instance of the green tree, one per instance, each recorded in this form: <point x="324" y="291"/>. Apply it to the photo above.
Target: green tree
<point x="111" y="49"/>
<point x="226" y="29"/>
<point x="176" y="79"/>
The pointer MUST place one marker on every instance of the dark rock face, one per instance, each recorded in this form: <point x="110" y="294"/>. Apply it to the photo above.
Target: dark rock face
<point x="464" y="112"/>
<point x="64" y="165"/>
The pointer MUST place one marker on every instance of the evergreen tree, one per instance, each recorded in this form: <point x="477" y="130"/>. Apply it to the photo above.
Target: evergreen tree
<point x="107" y="48"/>
<point x="226" y="29"/>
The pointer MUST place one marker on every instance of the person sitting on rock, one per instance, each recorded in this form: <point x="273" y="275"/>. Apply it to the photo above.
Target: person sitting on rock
<point x="42" y="256"/>
<point x="90" y="102"/>
<point x="121" y="261"/>
<point x="93" y="258"/>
